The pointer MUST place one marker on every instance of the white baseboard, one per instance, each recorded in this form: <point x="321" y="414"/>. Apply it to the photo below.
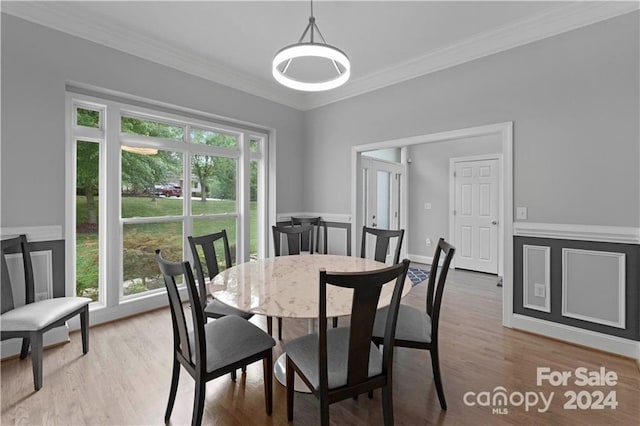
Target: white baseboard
<point x="592" y="339"/>
<point x="427" y="260"/>
<point x="329" y="217"/>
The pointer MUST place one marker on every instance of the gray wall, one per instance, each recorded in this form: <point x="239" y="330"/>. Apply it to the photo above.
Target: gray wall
<point x="428" y="182"/>
<point x="574" y="101"/>
<point x="36" y="64"/>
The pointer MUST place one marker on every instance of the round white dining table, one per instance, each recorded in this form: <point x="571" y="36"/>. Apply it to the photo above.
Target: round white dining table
<point x="288" y="287"/>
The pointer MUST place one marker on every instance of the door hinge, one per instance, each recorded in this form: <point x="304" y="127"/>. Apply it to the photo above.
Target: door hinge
<point x="454" y="174"/>
<point x="454" y="212"/>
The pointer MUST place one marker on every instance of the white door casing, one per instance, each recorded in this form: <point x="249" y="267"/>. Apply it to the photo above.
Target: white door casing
<point x="381" y="196"/>
<point x="475" y="214"/>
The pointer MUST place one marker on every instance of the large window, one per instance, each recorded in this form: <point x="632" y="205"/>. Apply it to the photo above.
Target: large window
<point x="144" y="180"/>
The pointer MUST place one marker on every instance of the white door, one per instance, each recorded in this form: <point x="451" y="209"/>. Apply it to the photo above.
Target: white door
<point x="381" y="196"/>
<point x="475" y="215"/>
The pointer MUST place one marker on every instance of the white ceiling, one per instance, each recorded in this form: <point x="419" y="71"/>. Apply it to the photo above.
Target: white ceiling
<point x="233" y="42"/>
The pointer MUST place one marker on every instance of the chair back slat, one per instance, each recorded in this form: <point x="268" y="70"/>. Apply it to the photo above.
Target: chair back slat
<point x="211" y="267"/>
<point x="367" y="287"/>
<point x="304" y="238"/>
<point x="12" y="246"/>
<point x="170" y="271"/>
<point x="435" y="288"/>
<point x="383" y="239"/>
<point x="294" y="238"/>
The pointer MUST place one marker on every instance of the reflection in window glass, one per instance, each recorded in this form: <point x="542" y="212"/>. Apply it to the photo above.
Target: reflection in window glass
<point x="87" y="237"/>
<point x="210" y="226"/>
<point x="140" y="271"/>
<point x="216" y="181"/>
<point x="151" y="184"/>
<point x="136" y="126"/>
<point x="87" y="118"/>
<point x="208" y="137"/>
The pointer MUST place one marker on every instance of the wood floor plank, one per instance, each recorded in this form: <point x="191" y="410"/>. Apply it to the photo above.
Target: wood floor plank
<point x="124" y="379"/>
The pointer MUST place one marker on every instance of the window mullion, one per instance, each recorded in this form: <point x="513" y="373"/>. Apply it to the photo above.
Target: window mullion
<point x="111" y="234"/>
<point x="244" y="198"/>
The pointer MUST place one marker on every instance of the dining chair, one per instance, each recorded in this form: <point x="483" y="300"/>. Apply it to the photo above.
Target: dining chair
<point x="294" y="236"/>
<point x="31" y="320"/>
<point x="419" y="329"/>
<point x="205" y="247"/>
<point x="315" y="222"/>
<point x="383" y="239"/>
<point x="339" y="363"/>
<point x="210" y="349"/>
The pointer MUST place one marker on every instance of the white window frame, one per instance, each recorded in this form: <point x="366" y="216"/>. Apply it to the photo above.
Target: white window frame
<point x="111" y="304"/>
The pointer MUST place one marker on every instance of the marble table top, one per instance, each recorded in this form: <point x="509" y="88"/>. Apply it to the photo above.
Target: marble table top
<point x="287" y="286"/>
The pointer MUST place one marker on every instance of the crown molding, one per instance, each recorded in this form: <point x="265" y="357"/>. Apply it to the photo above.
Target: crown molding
<point x="63" y="16"/>
<point x="549" y="23"/>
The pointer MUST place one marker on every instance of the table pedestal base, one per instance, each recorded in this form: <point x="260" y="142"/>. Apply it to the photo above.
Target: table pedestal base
<point x="280" y="371"/>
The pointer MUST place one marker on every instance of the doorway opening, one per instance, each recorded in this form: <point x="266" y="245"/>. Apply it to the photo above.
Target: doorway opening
<point x="504" y="132"/>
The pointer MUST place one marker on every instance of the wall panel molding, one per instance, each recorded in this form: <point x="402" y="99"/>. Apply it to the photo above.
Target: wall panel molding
<point x="590" y="281"/>
<point x="608" y="234"/>
<point x="527" y="253"/>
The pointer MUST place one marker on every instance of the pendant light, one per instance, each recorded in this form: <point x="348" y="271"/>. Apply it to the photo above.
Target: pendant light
<point x="311" y="49"/>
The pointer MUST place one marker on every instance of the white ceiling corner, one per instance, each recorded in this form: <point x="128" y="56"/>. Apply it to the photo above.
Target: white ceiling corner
<point x="544" y="22"/>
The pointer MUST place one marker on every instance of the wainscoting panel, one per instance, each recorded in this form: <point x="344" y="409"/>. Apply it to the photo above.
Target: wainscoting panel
<point x="593" y="284"/>
<point x="536" y="277"/>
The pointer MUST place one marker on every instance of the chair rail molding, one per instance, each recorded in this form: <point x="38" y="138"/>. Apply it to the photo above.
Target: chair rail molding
<point x="601" y="233"/>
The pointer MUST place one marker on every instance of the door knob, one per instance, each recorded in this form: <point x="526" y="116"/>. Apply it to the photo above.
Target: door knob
<point x="495" y="222"/>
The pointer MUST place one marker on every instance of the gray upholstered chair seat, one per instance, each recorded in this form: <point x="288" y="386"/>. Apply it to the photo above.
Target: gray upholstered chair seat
<point x="230" y="339"/>
<point x="38" y="315"/>
<point x="413" y="325"/>
<point x="216" y="308"/>
<point x="304" y="353"/>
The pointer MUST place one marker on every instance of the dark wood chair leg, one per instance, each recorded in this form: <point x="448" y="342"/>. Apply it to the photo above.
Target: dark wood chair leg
<point x="370" y="394"/>
<point x="435" y="363"/>
<point x="175" y="376"/>
<point x="387" y="404"/>
<point x="36" y="359"/>
<point x="84" y="325"/>
<point x="324" y="412"/>
<point x="198" y="402"/>
<point x="270" y="326"/>
<point x="279" y="328"/>
<point x="25" y="348"/>
<point x="234" y="377"/>
<point x="335" y="322"/>
<point x="267" y="373"/>
<point x="290" y="390"/>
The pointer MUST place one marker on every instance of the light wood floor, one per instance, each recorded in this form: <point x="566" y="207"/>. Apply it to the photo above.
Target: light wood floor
<point x="125" y="377"/>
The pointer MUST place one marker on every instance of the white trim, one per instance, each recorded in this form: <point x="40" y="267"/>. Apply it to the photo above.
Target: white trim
<point x="426" y="260"/>
<point x="621" y="323"/>
<point x="33" y="233"/>
<point x="557" y="20"/>
<point x="579" y="336"/>
<point x="505" y="131"/>
<point x="601" y="233"/>
<point x="547" y="278"/>
<point x="329" y="217"/>
<point x="452" y="202"/>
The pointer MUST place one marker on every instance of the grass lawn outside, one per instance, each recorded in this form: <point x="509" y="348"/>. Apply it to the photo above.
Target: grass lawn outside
<point x="140" y="271"/>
